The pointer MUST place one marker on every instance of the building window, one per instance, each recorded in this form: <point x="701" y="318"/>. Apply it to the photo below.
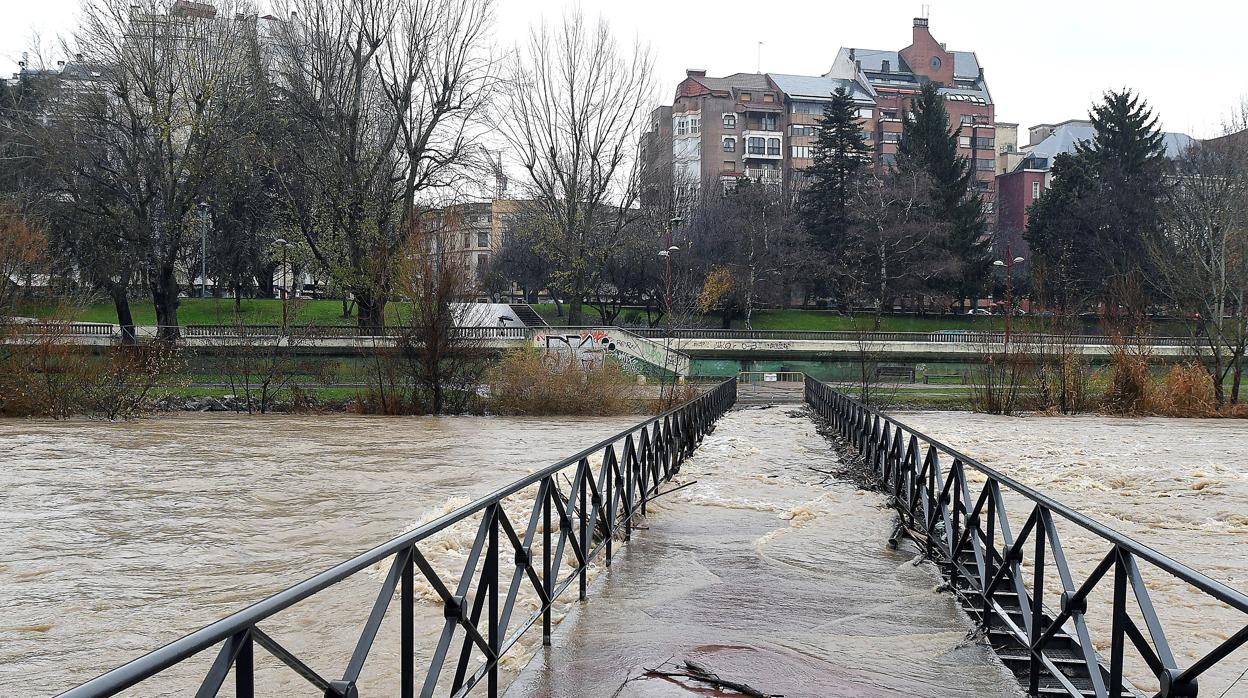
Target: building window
<point x="773" y="146"/>
<point x="967" y="119"/>
<point x="964" y="141"/>
<point x="802" y="151"/>
<point x="768" y="98"/>
<point x="730" y="145"/>
<point x="730" y="120"/>
<point x="865" y="112"/>
<point x="755" y="146"/>
<point x="802" y="130"/>
<point x="1035" y="190"/>
<point x="695" y="125"/>
<point x="866" y="136"/>
<point x="680" y="127"/>
<point x="888" y="114"/>
<point x="769" y="122"/>
<point x="728" y="166"/>
<point x="807" y="108"/>
<point x="888" y="159"/>
<point x="746" y="96"/>
<point x="985" y="164"/>
<point x="483" y="265"/>
<point x="891" y="137"/>
<point x="483" y="238"/>
<point x="981" y="142"/>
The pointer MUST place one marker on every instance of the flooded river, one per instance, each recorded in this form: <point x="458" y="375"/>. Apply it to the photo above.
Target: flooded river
<point x="1179" y="486"/>
<point x="119" y="537"/>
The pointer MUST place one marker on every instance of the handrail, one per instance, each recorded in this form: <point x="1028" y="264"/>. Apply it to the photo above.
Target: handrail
<point x="936" y="336"/>
<point x="943" y="510"/>
<point x="652" y="453"/>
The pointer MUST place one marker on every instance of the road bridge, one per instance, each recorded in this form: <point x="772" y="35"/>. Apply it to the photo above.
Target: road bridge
<point x="749" y="560"/>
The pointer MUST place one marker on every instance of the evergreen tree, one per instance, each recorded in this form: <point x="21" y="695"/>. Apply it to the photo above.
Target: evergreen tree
<point x="1105" y="204"/>
<point x="930" y="146"/>
<point x="840" y="157"/>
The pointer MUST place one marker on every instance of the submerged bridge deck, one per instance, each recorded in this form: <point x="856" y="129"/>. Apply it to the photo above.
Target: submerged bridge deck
<point x="772" y="574"/>
<point x="758" y="565"/>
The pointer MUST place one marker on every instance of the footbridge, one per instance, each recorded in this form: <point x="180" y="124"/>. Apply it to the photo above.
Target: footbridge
<point x="735" y="549"/>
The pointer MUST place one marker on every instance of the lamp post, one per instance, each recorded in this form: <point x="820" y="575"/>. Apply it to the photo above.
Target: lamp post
<point x="203" y="249"/>
<point x="1009" y="287"/>
<point x="282" y="285"/>
<point x="666" y="254"/>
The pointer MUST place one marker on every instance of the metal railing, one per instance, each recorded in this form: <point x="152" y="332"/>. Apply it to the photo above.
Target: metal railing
<point x="77" y="329"/>
<point x="969" y="533"/>
<point x="943" y="337"/>
<point x="598" y="505"/>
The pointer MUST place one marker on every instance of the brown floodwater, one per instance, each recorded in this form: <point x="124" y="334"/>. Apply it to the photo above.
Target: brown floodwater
<point x="1179" y="486"/>
<point x="120" y="537"/>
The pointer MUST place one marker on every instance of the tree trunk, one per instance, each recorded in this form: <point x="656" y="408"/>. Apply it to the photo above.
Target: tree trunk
<point x="122" y="303"/>
<point x="238" y="299"/>
<point x="371" y="312"/>
<point x="164" y="285"/>
<point x="574" y="311"/>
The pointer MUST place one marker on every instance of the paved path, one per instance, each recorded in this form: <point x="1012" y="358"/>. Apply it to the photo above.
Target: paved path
<point x="772" y="575"/>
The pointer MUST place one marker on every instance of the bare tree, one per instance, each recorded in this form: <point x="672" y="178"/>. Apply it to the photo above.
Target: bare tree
<point x="382" y="98"/>
<point x="894" y="241"/>
<point x="1202" y="259"/>
<point x="573" y="112"/>
<point x="144" y="132"/>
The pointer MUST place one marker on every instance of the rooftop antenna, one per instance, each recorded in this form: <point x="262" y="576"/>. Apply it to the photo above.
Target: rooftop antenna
<point x="759" y="66"/>
<point x="926" y="11"/>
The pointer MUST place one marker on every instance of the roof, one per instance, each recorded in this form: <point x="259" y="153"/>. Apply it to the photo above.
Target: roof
<point x="816" y="86"/>
<point x="1069" y="134"/>
<point x="873" y="60"/>
<point x="965" y="64"/>
<point x="747" y="81"/>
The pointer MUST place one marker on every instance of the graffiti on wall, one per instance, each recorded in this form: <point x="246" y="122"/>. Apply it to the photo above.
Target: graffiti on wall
<point x="584" y="350"/>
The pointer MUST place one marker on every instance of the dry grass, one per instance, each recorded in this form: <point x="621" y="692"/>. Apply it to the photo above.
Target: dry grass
<point x="1186" y="391"/>
<point x="522" y="384"/>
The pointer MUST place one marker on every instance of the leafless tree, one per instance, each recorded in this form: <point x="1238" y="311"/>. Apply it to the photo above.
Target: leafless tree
<point x="383" y="99"/>
<point x="574" y="109"/>
<point x="895" y="240"/>
<point x="144" y="130"/>
<point x="1202" y="260"/>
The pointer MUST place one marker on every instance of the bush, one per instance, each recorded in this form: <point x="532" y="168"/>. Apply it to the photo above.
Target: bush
<point x="523" y="384"/>
<point x="1186" y="391"/>
<point x="1130" y="385"/>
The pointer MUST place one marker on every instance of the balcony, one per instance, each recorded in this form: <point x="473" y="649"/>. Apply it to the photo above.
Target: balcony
<point x="765" y="145"/>
<point x="765" y="175"/>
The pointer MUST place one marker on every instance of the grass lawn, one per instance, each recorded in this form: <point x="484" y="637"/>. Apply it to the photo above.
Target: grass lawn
<point x="211" y="311"/>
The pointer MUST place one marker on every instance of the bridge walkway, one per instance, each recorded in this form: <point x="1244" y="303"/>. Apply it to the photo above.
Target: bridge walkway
<point x="771" y="572"/>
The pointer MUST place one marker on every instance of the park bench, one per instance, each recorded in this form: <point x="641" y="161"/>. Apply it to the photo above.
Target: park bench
<point x="927" y="377"/>
<point x="895" y="372"/>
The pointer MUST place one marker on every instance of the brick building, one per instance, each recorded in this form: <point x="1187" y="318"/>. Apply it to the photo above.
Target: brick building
<point x="762" y="125"/>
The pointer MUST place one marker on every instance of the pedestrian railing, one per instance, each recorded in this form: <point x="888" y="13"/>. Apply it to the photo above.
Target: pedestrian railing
<point x="964" y="525"/>
<point x="75" y="329"/>
<point x="580" y="505"/>
<point x="943" y="337"/>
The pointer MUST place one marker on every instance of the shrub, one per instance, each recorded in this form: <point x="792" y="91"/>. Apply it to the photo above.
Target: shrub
<point x="1186" y="391"/>
<point x="524" y="384"/>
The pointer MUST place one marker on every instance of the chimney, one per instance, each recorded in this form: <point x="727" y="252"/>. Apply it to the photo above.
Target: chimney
<point x="884" y="66"/>
<point x="60" y="64"/>
<point x="852" y="55"/>
<point x="695" y="73"/>
<point x="858" y="66"/>
<point x="78" y="57"/>
<point x="919" y="33"/>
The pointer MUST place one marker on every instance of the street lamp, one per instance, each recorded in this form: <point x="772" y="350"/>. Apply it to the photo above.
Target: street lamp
<point x="282" y="285"/>
<point x="203" y="249"/>
<point x="1009" y="288"/>
<point x="667" y="261"/>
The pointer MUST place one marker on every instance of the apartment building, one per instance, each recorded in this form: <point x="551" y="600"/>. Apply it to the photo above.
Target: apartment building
<point x="762" y="125"/>
<point x="476" y="231"/>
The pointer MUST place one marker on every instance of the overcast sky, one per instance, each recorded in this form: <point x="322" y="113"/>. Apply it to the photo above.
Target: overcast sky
<point x="1044" y="61"/>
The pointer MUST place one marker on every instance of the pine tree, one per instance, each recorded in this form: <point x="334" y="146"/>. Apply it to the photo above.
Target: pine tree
<point x="1104" y="205"/>
<point x="840" y="157"/>
<point x="929" y="145"/>
<point x="1130" y="158"/>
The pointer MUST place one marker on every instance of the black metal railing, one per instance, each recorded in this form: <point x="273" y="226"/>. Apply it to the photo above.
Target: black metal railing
<point x="969" y="534"/>
<point x="942" y="337"/>
<point x="597" y="506"/>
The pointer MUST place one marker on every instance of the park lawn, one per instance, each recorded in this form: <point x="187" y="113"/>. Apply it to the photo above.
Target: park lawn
<point x="210" y="311"/>
<point x="812" y="320"/>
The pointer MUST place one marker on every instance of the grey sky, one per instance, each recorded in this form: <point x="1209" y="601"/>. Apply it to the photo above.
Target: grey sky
<point x="1044" y="61"/>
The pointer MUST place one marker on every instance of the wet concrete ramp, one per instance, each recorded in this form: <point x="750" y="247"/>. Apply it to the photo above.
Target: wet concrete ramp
<point x="769" y="572"/>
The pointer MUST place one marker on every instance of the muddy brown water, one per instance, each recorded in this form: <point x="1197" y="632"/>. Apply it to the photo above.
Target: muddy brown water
<point x="119" y="537"/>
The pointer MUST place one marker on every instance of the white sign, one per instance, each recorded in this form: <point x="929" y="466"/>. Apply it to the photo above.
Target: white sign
<point x="769" y="377"/>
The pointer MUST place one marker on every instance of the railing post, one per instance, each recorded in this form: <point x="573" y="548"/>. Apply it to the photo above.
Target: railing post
<point x="1118" y="629"/>
<point x="990" y="549"/>
<point x="548" y="581"/>
<point x="1037" y="608"/>
<point x="407" y="630"/>
<point x="491" y="577"/>
<point x="244" y="669"/>
<point x="583" y="581"/>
